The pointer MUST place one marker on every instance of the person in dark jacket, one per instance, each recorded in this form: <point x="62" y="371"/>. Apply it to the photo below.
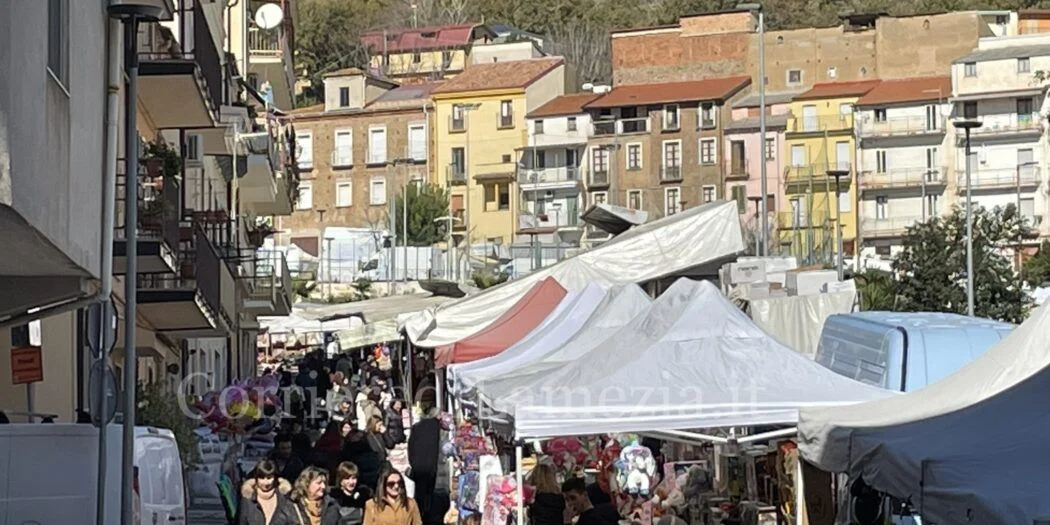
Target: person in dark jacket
<point x="578" y="504"/>
<point x="350" y="496"/>
<point x="289" y="465"/>
<point x="548" y="507"/>
<point x="311" y="503"/>
<point x="264" y="497"/>
<point x="395" y="425"/>
<point x="357" y="450"/>
<point x="424" y="460"/>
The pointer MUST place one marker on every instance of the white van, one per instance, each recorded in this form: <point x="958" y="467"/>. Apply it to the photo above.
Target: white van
<point x="49" y="474"/>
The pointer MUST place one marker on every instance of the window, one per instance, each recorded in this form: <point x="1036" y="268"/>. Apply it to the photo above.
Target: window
<point x="707" y="193"/>
<point x="417" y="141"/>
<point x="844" y="205"/>
<point x="970" y="69"/>
<point x="458" y="166"/>
<point x="671" y="201"/>
<point x="880" y="207"/>
<point x="833" y="72"/>
<point x="634" y="199"/>
<point x="671" y="117"/>
<point x="794" y="77"/>
<point x="708" y="115"/>
<point x="446" y="59"/>
<point x="506" y="114"/>
<point x="740" y="196"/>
<point x="672" y="161"/>
<point x="1024" y="65"/>
<point x="504" y="196"/>
<point x="343" y="151"/>
<point x="880" y="115"/>
<point x="377" y="145"/>
<point x="880" y="161"/>
<point x="708" y="151"/>
<point x="58" y="40"/>
<point x="771" y="149"/>
<point x="970" y="110"/>
<point x="305" y="143"/>
<point x="600" y="160"/>
<point x="571" y="124"/>
<point x="599" y="197"/>
<point x="457" y="122"/>
<point x="634" y="156"/>
<point x="377" y="191"/>
<point x="932" y="205"/>
<point x="416" y="58"/>
<point x="344" y="193"/>
<point x="1025" y="110"/>
<point x="506" y="158"/>
<point x="344" y="97"/>
<point x="539" y="157"/>
<point x="537" y="127"/>
<point x="306" y="196"/>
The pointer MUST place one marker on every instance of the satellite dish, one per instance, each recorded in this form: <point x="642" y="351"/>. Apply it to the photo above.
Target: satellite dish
<point x="268" y="16"/>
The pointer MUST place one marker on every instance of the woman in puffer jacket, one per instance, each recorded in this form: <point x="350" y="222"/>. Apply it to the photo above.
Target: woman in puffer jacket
<point x="264" y="497"/>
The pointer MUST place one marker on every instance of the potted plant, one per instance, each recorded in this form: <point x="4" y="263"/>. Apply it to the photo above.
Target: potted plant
<point x="152" y="213"/>
<point x="162" y="160"/>
<point x="258" y="235"/>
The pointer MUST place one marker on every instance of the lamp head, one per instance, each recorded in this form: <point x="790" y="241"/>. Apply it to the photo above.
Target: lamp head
<point x="967" y="123"/>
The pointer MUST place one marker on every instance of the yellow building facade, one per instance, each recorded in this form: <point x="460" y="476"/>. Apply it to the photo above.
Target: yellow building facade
<point x="819" y="149"/>
<point x="419" y="54"/>
<point x="479" y="124"/>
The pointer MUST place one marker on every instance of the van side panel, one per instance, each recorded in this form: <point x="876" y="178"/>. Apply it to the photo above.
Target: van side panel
<point x="859" y="349"/>
<point x="945" y="350"/>
<point x="48" y="473"/>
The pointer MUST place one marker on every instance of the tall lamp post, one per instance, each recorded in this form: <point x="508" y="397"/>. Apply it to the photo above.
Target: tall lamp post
<point x="757" y="8"/>
<point x="758" y="211"/>
<point x="968" y="124"/>
<point x="130" y="14"/>
<point x="838" y="174"/>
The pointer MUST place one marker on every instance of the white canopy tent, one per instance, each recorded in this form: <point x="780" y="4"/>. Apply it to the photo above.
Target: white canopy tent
<point x="970" y="448"/>
<point x="694" y="241"/>
<point x="694" y="361"/>
<point x="563" y="323"/>
<point x="617" y="308"/>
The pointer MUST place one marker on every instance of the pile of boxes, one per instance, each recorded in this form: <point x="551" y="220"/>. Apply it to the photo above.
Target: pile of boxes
<point x="765" y="277"/>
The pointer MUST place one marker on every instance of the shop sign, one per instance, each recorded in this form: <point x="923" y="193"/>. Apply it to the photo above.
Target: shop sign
<point x="27" y="365"/>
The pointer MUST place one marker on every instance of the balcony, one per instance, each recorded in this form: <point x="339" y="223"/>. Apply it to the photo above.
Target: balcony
<point x="1016" y="178"/>
<point x="598" y="178"/>
<point x="342" y="159"/>
<point x="737" y="170"/>
<point x="624" y="126"/>
<point x="181" y="88"/>
<point x="456" y="174"/>
<point x="903" y="178"/>
<point x="902" y="127"/>
<point x="269" y="285"/>
<point x="187" y="303"/>
<point x="550" y="220"/>
<point x="820" y="123"/>
<point x="457" y="125"/>
<point x="888" y="227"/>
<point x="789" y="220"/>
<point x="816" y="174"/>
<point x="264" y="43"/>
<point x="557" y="176"/>
<point x="268" y="182"/>
<point x="158" y="226"/>
<point x="1008" y="125"/>
<point x="670" y="173"/>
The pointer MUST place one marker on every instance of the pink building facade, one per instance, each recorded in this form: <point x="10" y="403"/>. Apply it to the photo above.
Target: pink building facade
<point x="743" y="157"/>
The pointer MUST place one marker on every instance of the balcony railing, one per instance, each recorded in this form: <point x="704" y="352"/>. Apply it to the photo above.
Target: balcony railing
<point x="456" y="173"/>
<point x="204" y="53"/>
<point x="198" y="267"/>
<point x="158" y="211"/>
<point x="815" y="172"/>
<point x="264" y="42"/>
<point x="1008" y="124"/>
<point x="270" y="277"/>
<point x="820" y="123"/>
<point x="670" y="173"/>
<point x="548" y="175"/>
<point x="992" y="178"/>
<point x="624" y="126"/>
<point x="888" y="227"/>
<point x="897" y="126"/>
<point x="457" y="124"/>
<point x="342" y="159"/>
<point x="598" y="177"/>
<point x="737" y="170"/>
<point x="548" y="219"/>
<point x="903" y="178"/>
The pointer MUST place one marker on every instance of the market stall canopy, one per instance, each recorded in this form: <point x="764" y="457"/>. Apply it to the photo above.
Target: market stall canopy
<point x="694" y="242"/>
<point x="523" y="317"/>
<point x="971" y="447"/>
<point x="369" y="334"/>
<point x="796" y="321"/>
<point x="566" y="321"/>
<point x="614" y="219"/>
<point x="617" y="308"/>
<point x="695" y="361"/>
<point x="376" y="309"/>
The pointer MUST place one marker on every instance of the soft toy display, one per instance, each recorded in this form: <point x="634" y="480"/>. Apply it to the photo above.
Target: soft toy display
<point x="500" y="501"/>
<point x="381" y="353"/>
<point x="568" y="454"/>
<point x="240" y="406"/>
<point x="606" y="465"/>
<point x="635" y="469"/>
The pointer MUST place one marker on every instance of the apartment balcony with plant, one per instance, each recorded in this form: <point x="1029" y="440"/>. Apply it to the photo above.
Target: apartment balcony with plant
<point x="159" y="213"/>
<point x="901" y="178"/>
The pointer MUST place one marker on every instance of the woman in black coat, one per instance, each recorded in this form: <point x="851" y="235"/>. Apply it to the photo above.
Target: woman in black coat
<point x="357" y="450"/>
<point x="264" y="495"/>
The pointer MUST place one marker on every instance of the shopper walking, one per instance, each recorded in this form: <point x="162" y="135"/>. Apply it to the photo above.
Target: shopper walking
<point x="350" y="496"/>
<point x="428" y="467"/>
<point x="264" y="497"/>
<point x="310" y="500"/>
<point x="391" y="505"/>
<point x="548" y="506"/>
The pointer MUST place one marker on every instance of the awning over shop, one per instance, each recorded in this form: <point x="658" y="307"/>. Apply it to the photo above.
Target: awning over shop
<point x="971" y="447"/>
<point x="566" y="321"/>
<point x="614" y="219"/>
<point x="694" y="242"/>
<point x="693" y="361"/>
<point x="523" y="317"/>
<point x="369" y="334"/>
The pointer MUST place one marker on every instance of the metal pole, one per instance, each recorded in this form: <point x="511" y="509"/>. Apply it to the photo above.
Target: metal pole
<point x="391" y="257"/>
<point x="404" y="225"/>
<point x="762" y="128"/>
<point x="131" y="219"/>
<point x="969" y="232"/>
<point x="838" y="224"/>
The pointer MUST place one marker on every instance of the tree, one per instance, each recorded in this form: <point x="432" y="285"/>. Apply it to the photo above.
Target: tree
<point x="1036" y="271"/>
<point x="585" y="45"/>
<point x="327" y="38"/>
<point x="878" y="290"/>
<point x="931" y="270"/>
<point x="426" y="205"/>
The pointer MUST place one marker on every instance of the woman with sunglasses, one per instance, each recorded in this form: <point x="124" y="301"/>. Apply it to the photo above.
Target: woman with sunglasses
<point x="391" y="505"/>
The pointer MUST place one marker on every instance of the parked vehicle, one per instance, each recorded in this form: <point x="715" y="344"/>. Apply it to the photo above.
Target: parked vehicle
<point x="904" y="351"/>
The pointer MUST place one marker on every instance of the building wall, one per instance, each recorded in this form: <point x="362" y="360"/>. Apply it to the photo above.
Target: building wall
<point x="667" y="55"/>
<point x="997" y="75"/>
<point x="826" y="54"/>
<point x="545" y="89"/>
<point x="421" y="63"/>
<point x="504" y="52"/>
<point x="58" y="392"/>
<point x="556" y="132"/>
<point x="924" y="45"/>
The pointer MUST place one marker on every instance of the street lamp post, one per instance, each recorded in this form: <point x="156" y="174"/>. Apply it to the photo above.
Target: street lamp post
<point x="838" y="174"/>
<point x="758" y="211"/>
<point x="966" y="125"/>
<point x="757" y="8"/>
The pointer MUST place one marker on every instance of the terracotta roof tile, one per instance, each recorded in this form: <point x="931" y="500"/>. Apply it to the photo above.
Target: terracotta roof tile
<point x="417" y="39"/>
<point x="564" y="105"/>
<point x="838" y="90"/>
<point x="499" y="75"/>
<point x="920" y="89"/>
<point x="694" y="90"/>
